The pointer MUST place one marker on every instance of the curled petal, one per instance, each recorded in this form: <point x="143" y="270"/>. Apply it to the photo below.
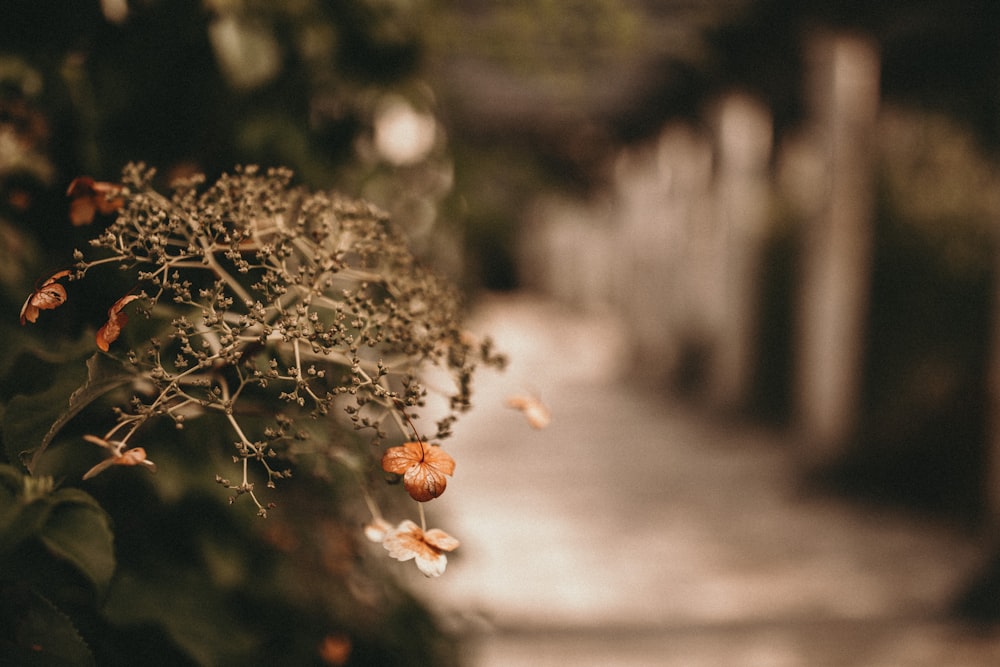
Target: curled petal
<point x="109" y="333"/>
<point x="128" y="457"/>
<point x="133" y="457"/>
<point x="50" y="295"/>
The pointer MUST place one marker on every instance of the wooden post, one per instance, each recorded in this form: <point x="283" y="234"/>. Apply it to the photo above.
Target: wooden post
<point x="744" y="134"/>
<point x="836" y="268"/>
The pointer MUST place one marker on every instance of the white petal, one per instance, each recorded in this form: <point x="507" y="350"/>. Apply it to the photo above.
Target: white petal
<point x="432" y="567"/>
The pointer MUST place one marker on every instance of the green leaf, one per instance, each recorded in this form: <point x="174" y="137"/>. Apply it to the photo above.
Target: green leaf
<point x="32" y="421"/>
<point x="42" y="634"/>
<point x="70" y="525"/>
<point x="79" y="532"/>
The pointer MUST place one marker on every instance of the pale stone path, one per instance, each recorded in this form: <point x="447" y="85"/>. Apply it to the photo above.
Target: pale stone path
<point x="633" y="531"/>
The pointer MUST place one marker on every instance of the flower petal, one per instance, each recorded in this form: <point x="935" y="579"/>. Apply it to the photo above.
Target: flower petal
<point x="398" y="460"/>
<point x="535" y="412"/>
<point x="424" y="482"/>
<point x="377" y="530"/>
<point x="408" y="542"/>
<point x="432" y="566"/>
<point x="109" y="333"/>
<point x="440" y="540"/>
<point x="91" y="196"/>
<point x="439" y="459"/>
<point x="50" y="295"/>
<point x="405" y="541"/>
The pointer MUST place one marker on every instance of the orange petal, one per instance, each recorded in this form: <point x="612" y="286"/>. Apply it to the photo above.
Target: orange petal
<point x="424" y="482"/>
<point x="335" y="649"/>
<point x="133" y="457"/>
<point x="398" y="460"/>
<point x="423" y="468"/>
<point x="438" y="458"/>
<point x="82" y="211"/>
<point x="109" y="333"/>
<point x="89" y="197"/>
<point x="50" y="295"/>
<point x="29" y="312"/>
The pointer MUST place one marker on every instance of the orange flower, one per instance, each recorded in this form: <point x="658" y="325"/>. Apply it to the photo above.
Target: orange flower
<point x="119" y="456"/>
<point x="91" y="196"/>
<point x="50" y="295"/>
<point x="532" y="408"/>
<point x="426" y="548"/>
<point x="109" y="333"/>
<point x="422" y="466"/>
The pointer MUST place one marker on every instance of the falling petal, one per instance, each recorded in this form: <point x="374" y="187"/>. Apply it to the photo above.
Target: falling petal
<point x="534" y="411"/>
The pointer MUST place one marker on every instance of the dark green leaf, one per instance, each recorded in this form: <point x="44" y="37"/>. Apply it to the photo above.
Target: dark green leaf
<point x="41" y="633"/>
<point x="30" y="422"/>
<point x="80" y="533"/>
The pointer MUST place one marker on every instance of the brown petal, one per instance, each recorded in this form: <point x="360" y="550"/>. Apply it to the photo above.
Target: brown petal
<point x="424" y="482"/>
<point x="109" y="333"/>
<point x="82" y="211"/>
<point x="50" y="295"/>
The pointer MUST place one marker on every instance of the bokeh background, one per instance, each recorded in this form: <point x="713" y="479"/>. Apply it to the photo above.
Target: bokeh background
<point x="759" y="231"/>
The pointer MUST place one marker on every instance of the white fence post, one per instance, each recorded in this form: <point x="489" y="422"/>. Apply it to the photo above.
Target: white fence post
<point x="836" y="257"/>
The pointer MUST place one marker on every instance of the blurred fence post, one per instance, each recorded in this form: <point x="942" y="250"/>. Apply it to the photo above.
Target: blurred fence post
<point x="742" y="198"/>
<point x="836" y="256"/>
<point x="992" y="472"/>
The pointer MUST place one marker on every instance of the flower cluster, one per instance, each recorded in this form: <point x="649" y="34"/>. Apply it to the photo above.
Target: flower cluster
<point x="285" y="314"/>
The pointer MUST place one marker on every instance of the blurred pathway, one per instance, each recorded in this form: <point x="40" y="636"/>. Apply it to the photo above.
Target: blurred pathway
<point x="633" y="531"/>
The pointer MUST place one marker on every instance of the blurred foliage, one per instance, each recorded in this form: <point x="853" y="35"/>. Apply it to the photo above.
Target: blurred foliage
<point x="925" y="410"/>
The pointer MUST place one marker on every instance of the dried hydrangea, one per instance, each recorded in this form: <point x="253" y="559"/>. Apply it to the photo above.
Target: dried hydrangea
<point x="309" y="304"/>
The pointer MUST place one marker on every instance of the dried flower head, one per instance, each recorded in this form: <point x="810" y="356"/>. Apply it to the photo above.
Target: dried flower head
<point x="281" y="313"/>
